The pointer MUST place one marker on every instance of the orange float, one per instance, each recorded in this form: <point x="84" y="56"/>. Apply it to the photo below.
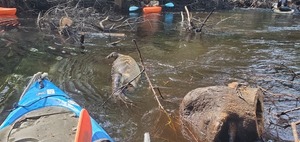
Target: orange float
<point x="7" y="11"/>
<point x="152" y="9"/>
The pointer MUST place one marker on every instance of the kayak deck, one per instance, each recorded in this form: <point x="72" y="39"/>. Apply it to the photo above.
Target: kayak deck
<point x="41" y="94"/>
<point x="43" y="125"/>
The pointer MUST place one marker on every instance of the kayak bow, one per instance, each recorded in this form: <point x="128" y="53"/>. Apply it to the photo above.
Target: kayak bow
<point x="42" y="96"/>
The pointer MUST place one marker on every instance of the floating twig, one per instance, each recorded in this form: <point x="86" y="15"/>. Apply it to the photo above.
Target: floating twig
<point x="294" y="75"/>
<point x="287" y="111"/>
<point x="222" y="20"/>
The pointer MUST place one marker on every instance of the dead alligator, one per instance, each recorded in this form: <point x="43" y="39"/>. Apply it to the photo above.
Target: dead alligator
<point x="124" y="71"/>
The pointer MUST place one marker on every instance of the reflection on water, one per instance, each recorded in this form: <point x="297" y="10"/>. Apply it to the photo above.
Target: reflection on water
<point x="240" y="45"/>
<point x="8" y="21"/>
<point x="150" y="25"/>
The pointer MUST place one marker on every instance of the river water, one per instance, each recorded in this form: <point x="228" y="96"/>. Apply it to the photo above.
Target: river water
<point x="245" y="45"/>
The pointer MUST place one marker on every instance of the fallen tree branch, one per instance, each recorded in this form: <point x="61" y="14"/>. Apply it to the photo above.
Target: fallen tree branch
<point x="151" y="85"/>
<point x="294" y="128"/>
<point x="222" y="20"/>
<point x="102" y="28"/>
<point x="101" y="35"/>
<point x="38" y="20"/>
<point x="188" y="18"/>
<point x="182" y="17"/>
<point x="273" y="94"/>
<point x="112" y="44"/>
<point x="294" y="75"/>
<point x="287" y="111"/>
<point x="203" y="23"/>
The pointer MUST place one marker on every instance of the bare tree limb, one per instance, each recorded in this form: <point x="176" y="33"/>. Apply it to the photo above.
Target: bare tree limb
<point x="287" y="111"/>
<point x="294" y="128"/>
<point x="101" y="23"/>
<point x="151" y="85"/>
<point x="38" y="20"/>
<point x="188" y="18"/>
<point x="203" y="23"/>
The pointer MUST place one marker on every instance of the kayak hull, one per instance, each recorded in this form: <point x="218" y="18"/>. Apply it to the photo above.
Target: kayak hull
<point x="277" y="10"/>
<point x="152" y="9"/>
<point x="7" y="11"/>
<point x="49" y="95"/>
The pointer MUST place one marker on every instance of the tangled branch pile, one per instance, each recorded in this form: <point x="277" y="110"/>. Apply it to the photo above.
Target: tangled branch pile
<point x="282" y="104"/>
<point x="72" y="21"/>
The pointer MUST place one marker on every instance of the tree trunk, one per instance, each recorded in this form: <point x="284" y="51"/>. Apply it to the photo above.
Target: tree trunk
<point x="221" y="113"/>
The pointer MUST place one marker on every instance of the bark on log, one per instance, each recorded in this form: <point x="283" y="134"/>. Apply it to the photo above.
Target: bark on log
<point x="221" y="113"/>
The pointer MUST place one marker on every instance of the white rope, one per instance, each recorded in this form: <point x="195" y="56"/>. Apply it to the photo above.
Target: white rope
<point x="37" y="76"/>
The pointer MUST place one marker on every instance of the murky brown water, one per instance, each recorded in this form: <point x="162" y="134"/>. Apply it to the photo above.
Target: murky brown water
<point x="238" y="45"/>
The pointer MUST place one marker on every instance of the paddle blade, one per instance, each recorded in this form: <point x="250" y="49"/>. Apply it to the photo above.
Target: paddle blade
<point x="169" y="4"/>
<point x="84" y="127"/>
<point x="133" y="8"/>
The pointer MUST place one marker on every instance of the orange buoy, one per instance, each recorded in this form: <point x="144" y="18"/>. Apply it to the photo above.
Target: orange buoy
<point x="7" y="11"/>
<point x="152" y="9"/>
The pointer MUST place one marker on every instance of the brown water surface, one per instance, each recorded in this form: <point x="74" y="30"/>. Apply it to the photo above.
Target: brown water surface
<point x="254" y="46"/>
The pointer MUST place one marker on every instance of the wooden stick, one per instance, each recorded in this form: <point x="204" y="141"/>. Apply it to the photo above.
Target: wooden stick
<point x="182" y="17"/>
<point x="150" y="83"/>
<point x="287" y="111"/>
<point x="225" y="19"/>
<point x="188" y="17"/>
<point x="291" y="71"/>
<point x="200" y="29"/>
<point x="146" y="75"/>
<point x="38" y="21"/>
<point x="294" y="128"/>
<point x="157" y="88"/>
<point x="102" y="34"/>
<point x="101" y="24"/>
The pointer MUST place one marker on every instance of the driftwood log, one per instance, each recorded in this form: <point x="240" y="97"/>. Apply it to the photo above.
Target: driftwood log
<point x="222" y="114"/>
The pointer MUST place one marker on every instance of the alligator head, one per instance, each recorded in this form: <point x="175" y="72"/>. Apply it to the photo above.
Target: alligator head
<point x="125" y="74"/>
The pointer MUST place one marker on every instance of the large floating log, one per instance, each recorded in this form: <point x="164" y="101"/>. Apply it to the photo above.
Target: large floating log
<point x="222" y="114"/>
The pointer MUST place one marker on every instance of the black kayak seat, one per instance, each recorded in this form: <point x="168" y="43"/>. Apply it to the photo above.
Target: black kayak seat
<point x="285" y="8"/>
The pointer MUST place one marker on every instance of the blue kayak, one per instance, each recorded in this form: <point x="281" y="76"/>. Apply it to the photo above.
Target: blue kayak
<point x="42" y="93"/>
